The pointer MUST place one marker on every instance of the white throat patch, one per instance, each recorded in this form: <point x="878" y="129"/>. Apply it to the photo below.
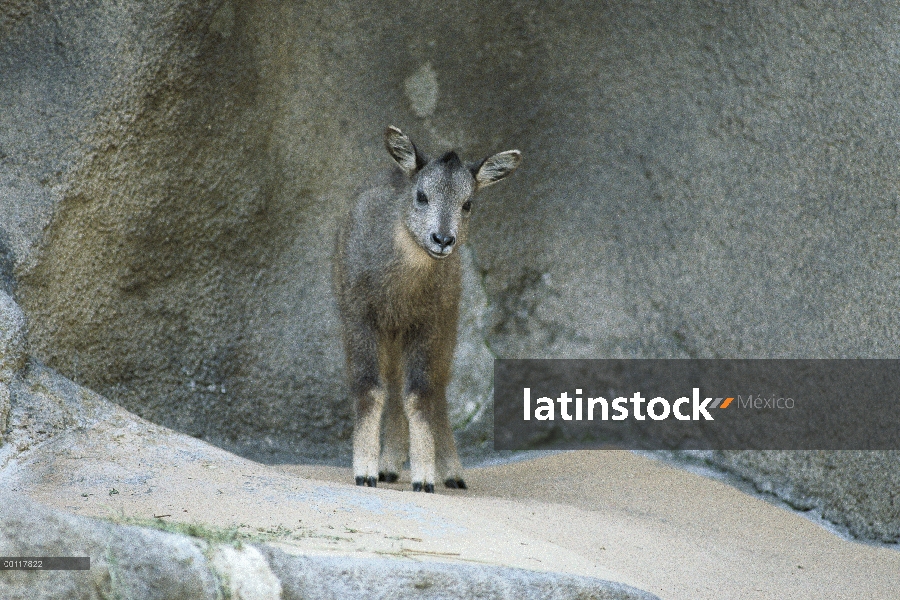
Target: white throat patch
<point x="411" y="253"/>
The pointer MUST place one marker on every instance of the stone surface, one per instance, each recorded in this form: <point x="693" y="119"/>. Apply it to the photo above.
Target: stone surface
<point x="137" y="562"/>
<point x="699" y="180"/>
<point x="74" y="450"/>
<point x="582" y="519"/>
<point x="12" y="337"/>
<point x="7" y="280"/>
<point x="126" y="562"/>
<point x="12" y="353"/>
<point x="246" y="573"/>
<point x="346" y="577"/>
<point x="859" y="491"/>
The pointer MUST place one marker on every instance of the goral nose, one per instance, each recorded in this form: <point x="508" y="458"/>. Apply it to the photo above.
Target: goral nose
<point x="444" y="241"/>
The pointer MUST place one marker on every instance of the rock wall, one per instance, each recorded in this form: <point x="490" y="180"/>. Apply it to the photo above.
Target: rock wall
<point x="701" y="179"/>
<point x="855" y="490"/>
<point x="12" y="355"/>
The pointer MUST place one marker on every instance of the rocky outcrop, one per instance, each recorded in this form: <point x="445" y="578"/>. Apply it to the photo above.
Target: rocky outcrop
<point x="12" y="353"/>
<point x="136" y="562"/>
<point x="124" y="561"/>
<point x="699" y="180"/>
<point x="858" y="491"/>
<point x="184" y="518"/>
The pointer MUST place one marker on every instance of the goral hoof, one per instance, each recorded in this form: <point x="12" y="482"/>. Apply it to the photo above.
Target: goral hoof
<point x="456" y="484"/>
<point x="388" y="477"/>
<point x="369" y="481"/>
<point x="360" y="480"/>
<point x="428" y="488"/>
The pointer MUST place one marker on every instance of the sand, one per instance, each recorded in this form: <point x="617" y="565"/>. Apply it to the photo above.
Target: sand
<point x="608" y="514"/>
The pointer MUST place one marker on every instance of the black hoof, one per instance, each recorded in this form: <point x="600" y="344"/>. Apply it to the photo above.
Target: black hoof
<point x="388" y="477"/>
<point x="429" y="488"/>
<point x="461" y="484"/>
<point x="360" y="480"/>
<point x="456" y="484"/>
<point x="417" y="486"/>
<point x="370" y="481"/>
<point x="380" y="475"/>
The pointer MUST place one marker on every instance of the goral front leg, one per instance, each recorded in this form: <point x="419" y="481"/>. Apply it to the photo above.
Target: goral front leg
<point x="366" y="436"/>
<point x="421" y="441"/>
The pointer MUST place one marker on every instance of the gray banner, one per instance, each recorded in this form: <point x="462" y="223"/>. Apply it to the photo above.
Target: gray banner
<point x="697" y="404"/>
<point x="45" y="563"/>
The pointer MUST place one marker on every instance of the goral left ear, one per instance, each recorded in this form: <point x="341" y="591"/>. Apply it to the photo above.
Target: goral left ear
<point x="496" y="167"/>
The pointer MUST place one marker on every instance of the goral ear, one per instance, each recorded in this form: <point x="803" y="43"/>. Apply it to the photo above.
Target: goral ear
<point x="496" y="167"/>
<point x="403" y="151"/>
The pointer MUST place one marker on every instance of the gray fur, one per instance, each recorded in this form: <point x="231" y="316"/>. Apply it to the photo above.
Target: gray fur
<point x="398" y="281"/>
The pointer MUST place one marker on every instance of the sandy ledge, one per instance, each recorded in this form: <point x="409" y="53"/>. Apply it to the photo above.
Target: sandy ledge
<point x="604" y="514"/>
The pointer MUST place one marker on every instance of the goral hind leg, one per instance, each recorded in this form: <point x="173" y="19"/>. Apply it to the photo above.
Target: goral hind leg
<point x="449" y="469"/>
<point x="369" y="392"/>
<point x="425" y="375"/>
<point x="395" y="447"/>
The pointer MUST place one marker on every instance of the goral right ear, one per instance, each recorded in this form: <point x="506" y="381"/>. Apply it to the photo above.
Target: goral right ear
<point x="403" y="151"/>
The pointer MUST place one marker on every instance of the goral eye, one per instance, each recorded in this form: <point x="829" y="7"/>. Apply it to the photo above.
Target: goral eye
<point x="467" y="206"/>
<point x="421" y="198"/>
